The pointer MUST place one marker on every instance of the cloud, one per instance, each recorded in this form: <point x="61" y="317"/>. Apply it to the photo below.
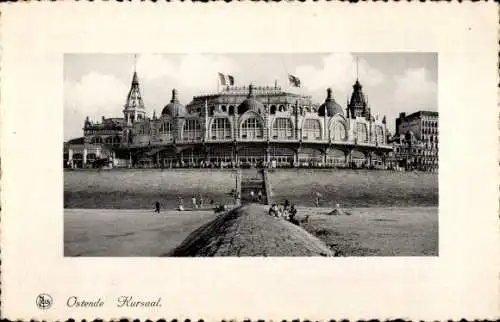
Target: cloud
<point x="93" y="95"/>
<point x="188" y="72"/>
<point x="337" y="71"/>
<point x="415" y="91"/>
<point x="153" y="67"/>
<point x="95" y="92"/>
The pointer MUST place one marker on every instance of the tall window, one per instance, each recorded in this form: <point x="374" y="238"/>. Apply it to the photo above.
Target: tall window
<point x="339" y="132"/>
<point x="166" y="131"/>
<point x="221" y="129"/>
<point x="311" y="130"/>
<point x="165" y="128"/>
<point x="252" y="128"/>
<point x="362" y="133"/>
<point x="141" y="130"/>
<point x="379" y="134"/>
<point x="191" y="130"/>
<point x="282" y="128"/>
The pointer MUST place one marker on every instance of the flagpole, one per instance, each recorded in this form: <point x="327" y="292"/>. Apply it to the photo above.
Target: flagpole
<point x="218" y="83"/>
<point x="287" y="80"/>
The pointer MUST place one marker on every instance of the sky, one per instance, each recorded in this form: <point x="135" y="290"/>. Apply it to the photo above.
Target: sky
<point x="96" y="85"/>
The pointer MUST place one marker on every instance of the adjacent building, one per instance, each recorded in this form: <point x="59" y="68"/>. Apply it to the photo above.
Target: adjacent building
<point x="239" y="126"/>
<point x="416" y="143"/>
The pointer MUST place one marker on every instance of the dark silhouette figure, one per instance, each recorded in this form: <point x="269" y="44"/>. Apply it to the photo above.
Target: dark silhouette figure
<point x="157" y="207"/>
<point x="293" y="212"/>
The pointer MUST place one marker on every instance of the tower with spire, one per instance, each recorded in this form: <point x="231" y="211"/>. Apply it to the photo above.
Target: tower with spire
<point x="134" y="107"/>
<point x="357" y="106"/>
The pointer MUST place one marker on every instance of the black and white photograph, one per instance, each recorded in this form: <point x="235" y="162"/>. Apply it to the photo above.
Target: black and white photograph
<point x="262" y="155"/>
<point x="249" y="161"/>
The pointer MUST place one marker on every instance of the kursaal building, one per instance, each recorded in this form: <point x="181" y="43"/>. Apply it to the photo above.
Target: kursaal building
<point x="238" y="126"/>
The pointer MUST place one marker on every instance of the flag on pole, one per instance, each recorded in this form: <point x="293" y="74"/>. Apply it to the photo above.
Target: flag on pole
<point x="294" y="81"/>
<point x="226" y="79"/>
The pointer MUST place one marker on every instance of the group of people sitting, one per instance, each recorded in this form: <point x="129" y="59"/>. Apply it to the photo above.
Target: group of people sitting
<point x="285" y="211"/>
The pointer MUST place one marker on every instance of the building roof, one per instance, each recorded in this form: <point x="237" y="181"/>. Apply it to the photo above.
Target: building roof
<point x="134" y="98"/>
<point x="357" y="97"/>
<point x="251" y="103"/>
<point x="115" y="123"/>
<point x="421" y="113"/>
<point x="174" y="108"/>
<point x="235" y="95"/>
<point x="76" y="141"/>
<point x="330" y="105"/>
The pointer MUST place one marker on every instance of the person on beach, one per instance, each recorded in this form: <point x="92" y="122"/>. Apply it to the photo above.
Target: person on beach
<point x="280" y="211"/>
<point x="273" y="211"/>
<point x="259" y="195"/>
<point x="318" y="195"/>
<point x="238" y="198"/>
<point x="291" y="216"/>
<point x="286" y="204"/>
<point x="252" y="195"/>
<point x="157" y="207"/>
<point x="193" y="200"/>
<point x="180" y="204"/>
<point x="201" y="201"/>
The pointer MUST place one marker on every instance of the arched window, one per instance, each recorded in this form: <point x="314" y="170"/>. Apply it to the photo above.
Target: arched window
<point x="362" y="133"/>
<point x="273" y="109"/>
<point x="191" y="130"/>
<point x="252" y="128"/>
<point x="282" y="108"/>
<point x="282" y="128"/>
<point x="97" y="140"/>
<point x="223" y="108"/>
<point x="116" y="140"/>
<point x="109" y="140"/>
<point x="339" y="132"/>
<point x="221" y="129"/>
<point x="231" y="109"/>
<point x="311" y="130"/>
<point x="379" y="134"/>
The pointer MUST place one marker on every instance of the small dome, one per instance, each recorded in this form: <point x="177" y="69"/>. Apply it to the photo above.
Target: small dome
<point x="174" y="108"/>
<point x="251" y="103"/>
<point x="332" y="108"/>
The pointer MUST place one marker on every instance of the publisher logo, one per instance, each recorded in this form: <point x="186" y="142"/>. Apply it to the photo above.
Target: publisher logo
<point x="44" y="301"/>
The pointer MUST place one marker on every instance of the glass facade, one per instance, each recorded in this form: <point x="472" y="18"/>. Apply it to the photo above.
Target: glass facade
<point x="252" y="128"/>
<point x="311" y="130"/>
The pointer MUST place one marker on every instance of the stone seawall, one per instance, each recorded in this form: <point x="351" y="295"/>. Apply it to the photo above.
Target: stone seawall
<point x="355" y="188"/>
<point x="140" y="189"/>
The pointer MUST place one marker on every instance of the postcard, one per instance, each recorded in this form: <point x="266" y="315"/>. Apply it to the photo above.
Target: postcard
<point x="249" y="161"/>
